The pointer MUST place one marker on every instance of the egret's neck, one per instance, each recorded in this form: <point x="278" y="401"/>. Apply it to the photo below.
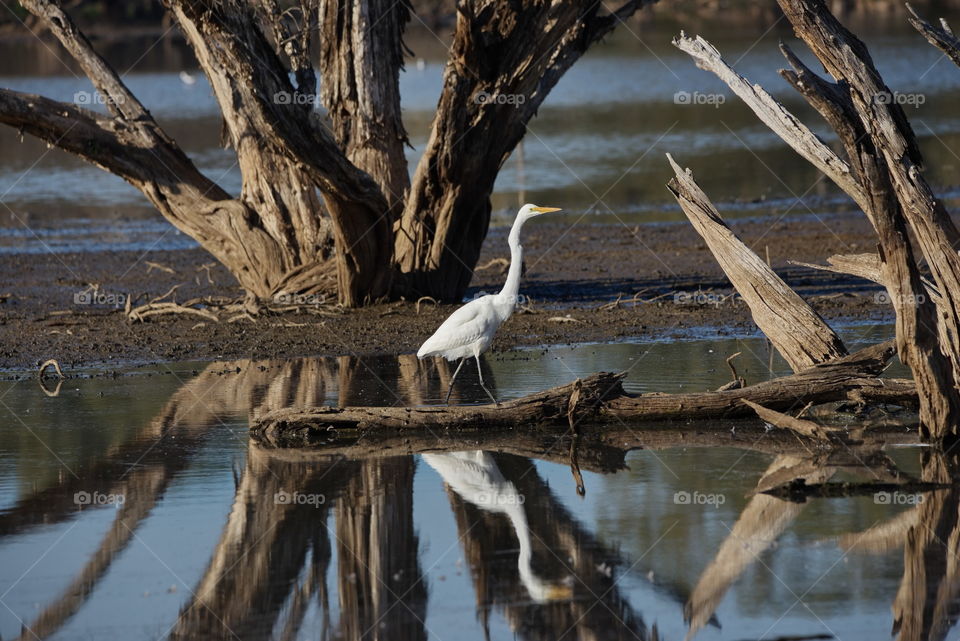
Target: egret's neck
<point x="512" y="287"/>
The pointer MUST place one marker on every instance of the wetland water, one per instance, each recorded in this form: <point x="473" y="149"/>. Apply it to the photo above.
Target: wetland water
<point x="596" y="147"/>
<point x="134" y="506"/>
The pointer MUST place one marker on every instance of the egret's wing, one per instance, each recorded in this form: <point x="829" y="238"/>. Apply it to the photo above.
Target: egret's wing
<point x="463" y="327"/>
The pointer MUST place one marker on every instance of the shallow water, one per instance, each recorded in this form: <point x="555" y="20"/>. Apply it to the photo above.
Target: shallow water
<point x="596" y="148"/>
<point x="134" y="506"/>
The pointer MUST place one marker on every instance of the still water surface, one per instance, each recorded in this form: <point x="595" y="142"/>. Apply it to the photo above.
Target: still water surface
<point x="218" y="537"/>
<point x="596" y="148"/>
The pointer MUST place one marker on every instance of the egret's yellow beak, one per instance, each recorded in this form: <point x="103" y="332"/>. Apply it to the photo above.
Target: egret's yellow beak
<point x="545" y="210"/>
<point x="559" y="593"/>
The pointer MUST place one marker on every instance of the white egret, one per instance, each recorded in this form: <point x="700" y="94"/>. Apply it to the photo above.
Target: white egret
<point x="477" y="478"/>
<point x="469" y="330"/>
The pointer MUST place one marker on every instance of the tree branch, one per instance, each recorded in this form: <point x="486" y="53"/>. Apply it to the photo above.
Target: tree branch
<point x="940" y="37"/>
<point x="495" y="81"/>
<point x="798" y="332"/>
<point x="775" y="116"/>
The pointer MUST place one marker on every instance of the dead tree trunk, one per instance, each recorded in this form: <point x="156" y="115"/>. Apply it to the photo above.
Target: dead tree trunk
<point x="493" y="85"/>
<point x="320" y="211"/>
<point x="880" y="175"/>
<point x="798" y="332"/>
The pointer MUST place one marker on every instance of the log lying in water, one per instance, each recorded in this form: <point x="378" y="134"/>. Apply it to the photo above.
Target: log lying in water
<point x="600" y="398"/>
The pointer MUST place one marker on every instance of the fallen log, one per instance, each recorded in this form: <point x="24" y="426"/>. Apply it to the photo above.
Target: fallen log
<point x="601" y="398"/>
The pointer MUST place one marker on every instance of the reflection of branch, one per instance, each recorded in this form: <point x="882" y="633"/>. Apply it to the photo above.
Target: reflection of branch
<point x="760" y="524"/>
<point x="799" y="490"/>
<point x="926" y="605"/>
<point x="140" y="493"/>
<point x="883" y="537"/>
<point x="262" y="552"/>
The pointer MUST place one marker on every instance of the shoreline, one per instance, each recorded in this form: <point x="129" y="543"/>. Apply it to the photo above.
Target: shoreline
<point x="574" y="276"/>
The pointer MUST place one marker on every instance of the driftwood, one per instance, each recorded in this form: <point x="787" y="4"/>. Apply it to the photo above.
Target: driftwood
<point x="602" y="398"/>
<point x="795" y="329"/>
<point x="799" y="491"/>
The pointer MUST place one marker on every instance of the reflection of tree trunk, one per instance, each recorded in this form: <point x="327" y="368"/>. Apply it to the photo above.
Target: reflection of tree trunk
<point x="140" y="493"/>
<point x="184" y="423"/>
<point x="761" y="523"/>
<point x="382" y="593"/>
<point x="561" y="547"/>
<point x="926" y="606"/>
<point x="140" y="471"/>
<point x="258" y="565"/>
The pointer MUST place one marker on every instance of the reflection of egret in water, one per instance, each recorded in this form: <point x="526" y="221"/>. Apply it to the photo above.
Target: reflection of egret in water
<point x="476" y="478"/>
<point x="586" y="601"/>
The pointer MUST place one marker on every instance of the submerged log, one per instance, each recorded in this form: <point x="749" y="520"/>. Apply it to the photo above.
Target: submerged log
<point x="601" y="398"/>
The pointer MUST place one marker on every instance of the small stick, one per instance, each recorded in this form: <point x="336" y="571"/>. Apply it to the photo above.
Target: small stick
<point x="429" y="298"/>
<point x="733" y="369"/>
<point x="52" y="362"/>
<point x="152" y="265"/>
<point x="170" y="292"/>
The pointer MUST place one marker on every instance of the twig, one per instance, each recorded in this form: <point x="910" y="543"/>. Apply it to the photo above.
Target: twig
<point x="429" y="298"/>
<point x="503" y="262"/>
<point x="52" y="362"/>
<point x="152" y="265"/>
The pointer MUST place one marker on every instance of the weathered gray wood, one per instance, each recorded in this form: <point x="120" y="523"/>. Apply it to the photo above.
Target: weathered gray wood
<point x="941" y="37"/>
<point x="602" y="398"/>
<point x="882" y="147"/>
<point x="796" y="330"/>
<point x="322" y="196"/>
<point x="798" y="425"/>
<point x="865" y="177"/>
<point x="866" y="266"/>
<point x="504" y="60"/>
<point x="361" y="53"/>
<point x="774" y="115"/>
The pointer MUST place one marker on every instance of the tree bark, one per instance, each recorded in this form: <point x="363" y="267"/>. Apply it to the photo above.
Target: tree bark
<point x="601" y="398"/>
<point x="924" y="343"/>
<point x="495" y="81"/>
<point x="882" y="148"/>
<point x="795" y="329"/>
<point x="361" y="56"/>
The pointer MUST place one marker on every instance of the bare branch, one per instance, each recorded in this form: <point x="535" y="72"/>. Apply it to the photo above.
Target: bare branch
<point x="940" y="37"/>
<point x="775" y="116"/>
<point x="796" y="330"/>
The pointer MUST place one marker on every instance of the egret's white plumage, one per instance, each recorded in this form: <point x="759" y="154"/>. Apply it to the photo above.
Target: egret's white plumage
<point x="470" y="330"/>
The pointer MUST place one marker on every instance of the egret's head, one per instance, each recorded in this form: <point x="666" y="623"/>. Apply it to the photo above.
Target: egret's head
<point x="529" y="211"/>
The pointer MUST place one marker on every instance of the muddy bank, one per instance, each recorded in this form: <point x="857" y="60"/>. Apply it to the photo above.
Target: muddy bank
<point x="574" y="272"/>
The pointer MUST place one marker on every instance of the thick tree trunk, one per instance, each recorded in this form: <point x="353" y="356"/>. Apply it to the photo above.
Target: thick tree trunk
<point x="361" y="54"/>
<point x="332" y="210"/>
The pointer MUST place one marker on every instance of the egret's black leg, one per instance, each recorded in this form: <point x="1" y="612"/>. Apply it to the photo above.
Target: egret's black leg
<point x="495" y="401"/>
<point x="450" y="388"/>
